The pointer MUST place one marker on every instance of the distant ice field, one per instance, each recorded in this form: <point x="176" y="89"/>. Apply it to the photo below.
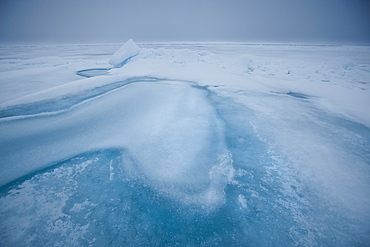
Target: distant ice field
<point x="185" y="144"/>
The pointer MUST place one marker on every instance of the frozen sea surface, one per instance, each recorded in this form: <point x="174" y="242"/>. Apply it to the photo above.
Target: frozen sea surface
<point x="171" y="156"/>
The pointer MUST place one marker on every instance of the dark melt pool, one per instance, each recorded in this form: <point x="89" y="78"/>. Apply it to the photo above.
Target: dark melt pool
<point x="93" y="72"/>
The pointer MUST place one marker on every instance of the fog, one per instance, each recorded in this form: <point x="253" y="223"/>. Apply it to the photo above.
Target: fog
<point x="97" y="21"/>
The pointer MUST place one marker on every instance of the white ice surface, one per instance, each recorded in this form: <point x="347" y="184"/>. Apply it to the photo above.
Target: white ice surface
<point x="319" y="71"/>
<point x="168" y="128"/>
<point x="334" y="82"/>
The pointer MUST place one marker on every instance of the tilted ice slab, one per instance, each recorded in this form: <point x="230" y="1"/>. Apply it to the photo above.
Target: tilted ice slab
<point x="172" y="135"/>
<point x="127" y="51"/>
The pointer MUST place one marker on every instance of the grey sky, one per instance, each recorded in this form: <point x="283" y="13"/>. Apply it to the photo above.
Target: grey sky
<point x="103" y="21"/>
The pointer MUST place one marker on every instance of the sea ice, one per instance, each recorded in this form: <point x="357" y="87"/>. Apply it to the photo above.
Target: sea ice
<point x="187" y="144"/>
<point x="127" y="51"/>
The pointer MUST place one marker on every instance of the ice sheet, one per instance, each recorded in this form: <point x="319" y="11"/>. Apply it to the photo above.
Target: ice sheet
<point x="198" y="144"/>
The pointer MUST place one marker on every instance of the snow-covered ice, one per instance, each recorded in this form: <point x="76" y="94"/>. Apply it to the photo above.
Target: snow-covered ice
<point x="190" y="144"/>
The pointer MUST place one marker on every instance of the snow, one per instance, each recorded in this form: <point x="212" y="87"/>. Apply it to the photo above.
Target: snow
<point x="127" y="51"/>
<point x="186" y="144"/>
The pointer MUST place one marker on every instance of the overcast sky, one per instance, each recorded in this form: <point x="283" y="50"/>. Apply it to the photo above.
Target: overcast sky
<point x="105" y="21"/>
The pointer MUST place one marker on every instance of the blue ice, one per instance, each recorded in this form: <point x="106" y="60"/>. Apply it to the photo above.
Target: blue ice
<point x="93" y="72"/>
<point x="166" y="163"/>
